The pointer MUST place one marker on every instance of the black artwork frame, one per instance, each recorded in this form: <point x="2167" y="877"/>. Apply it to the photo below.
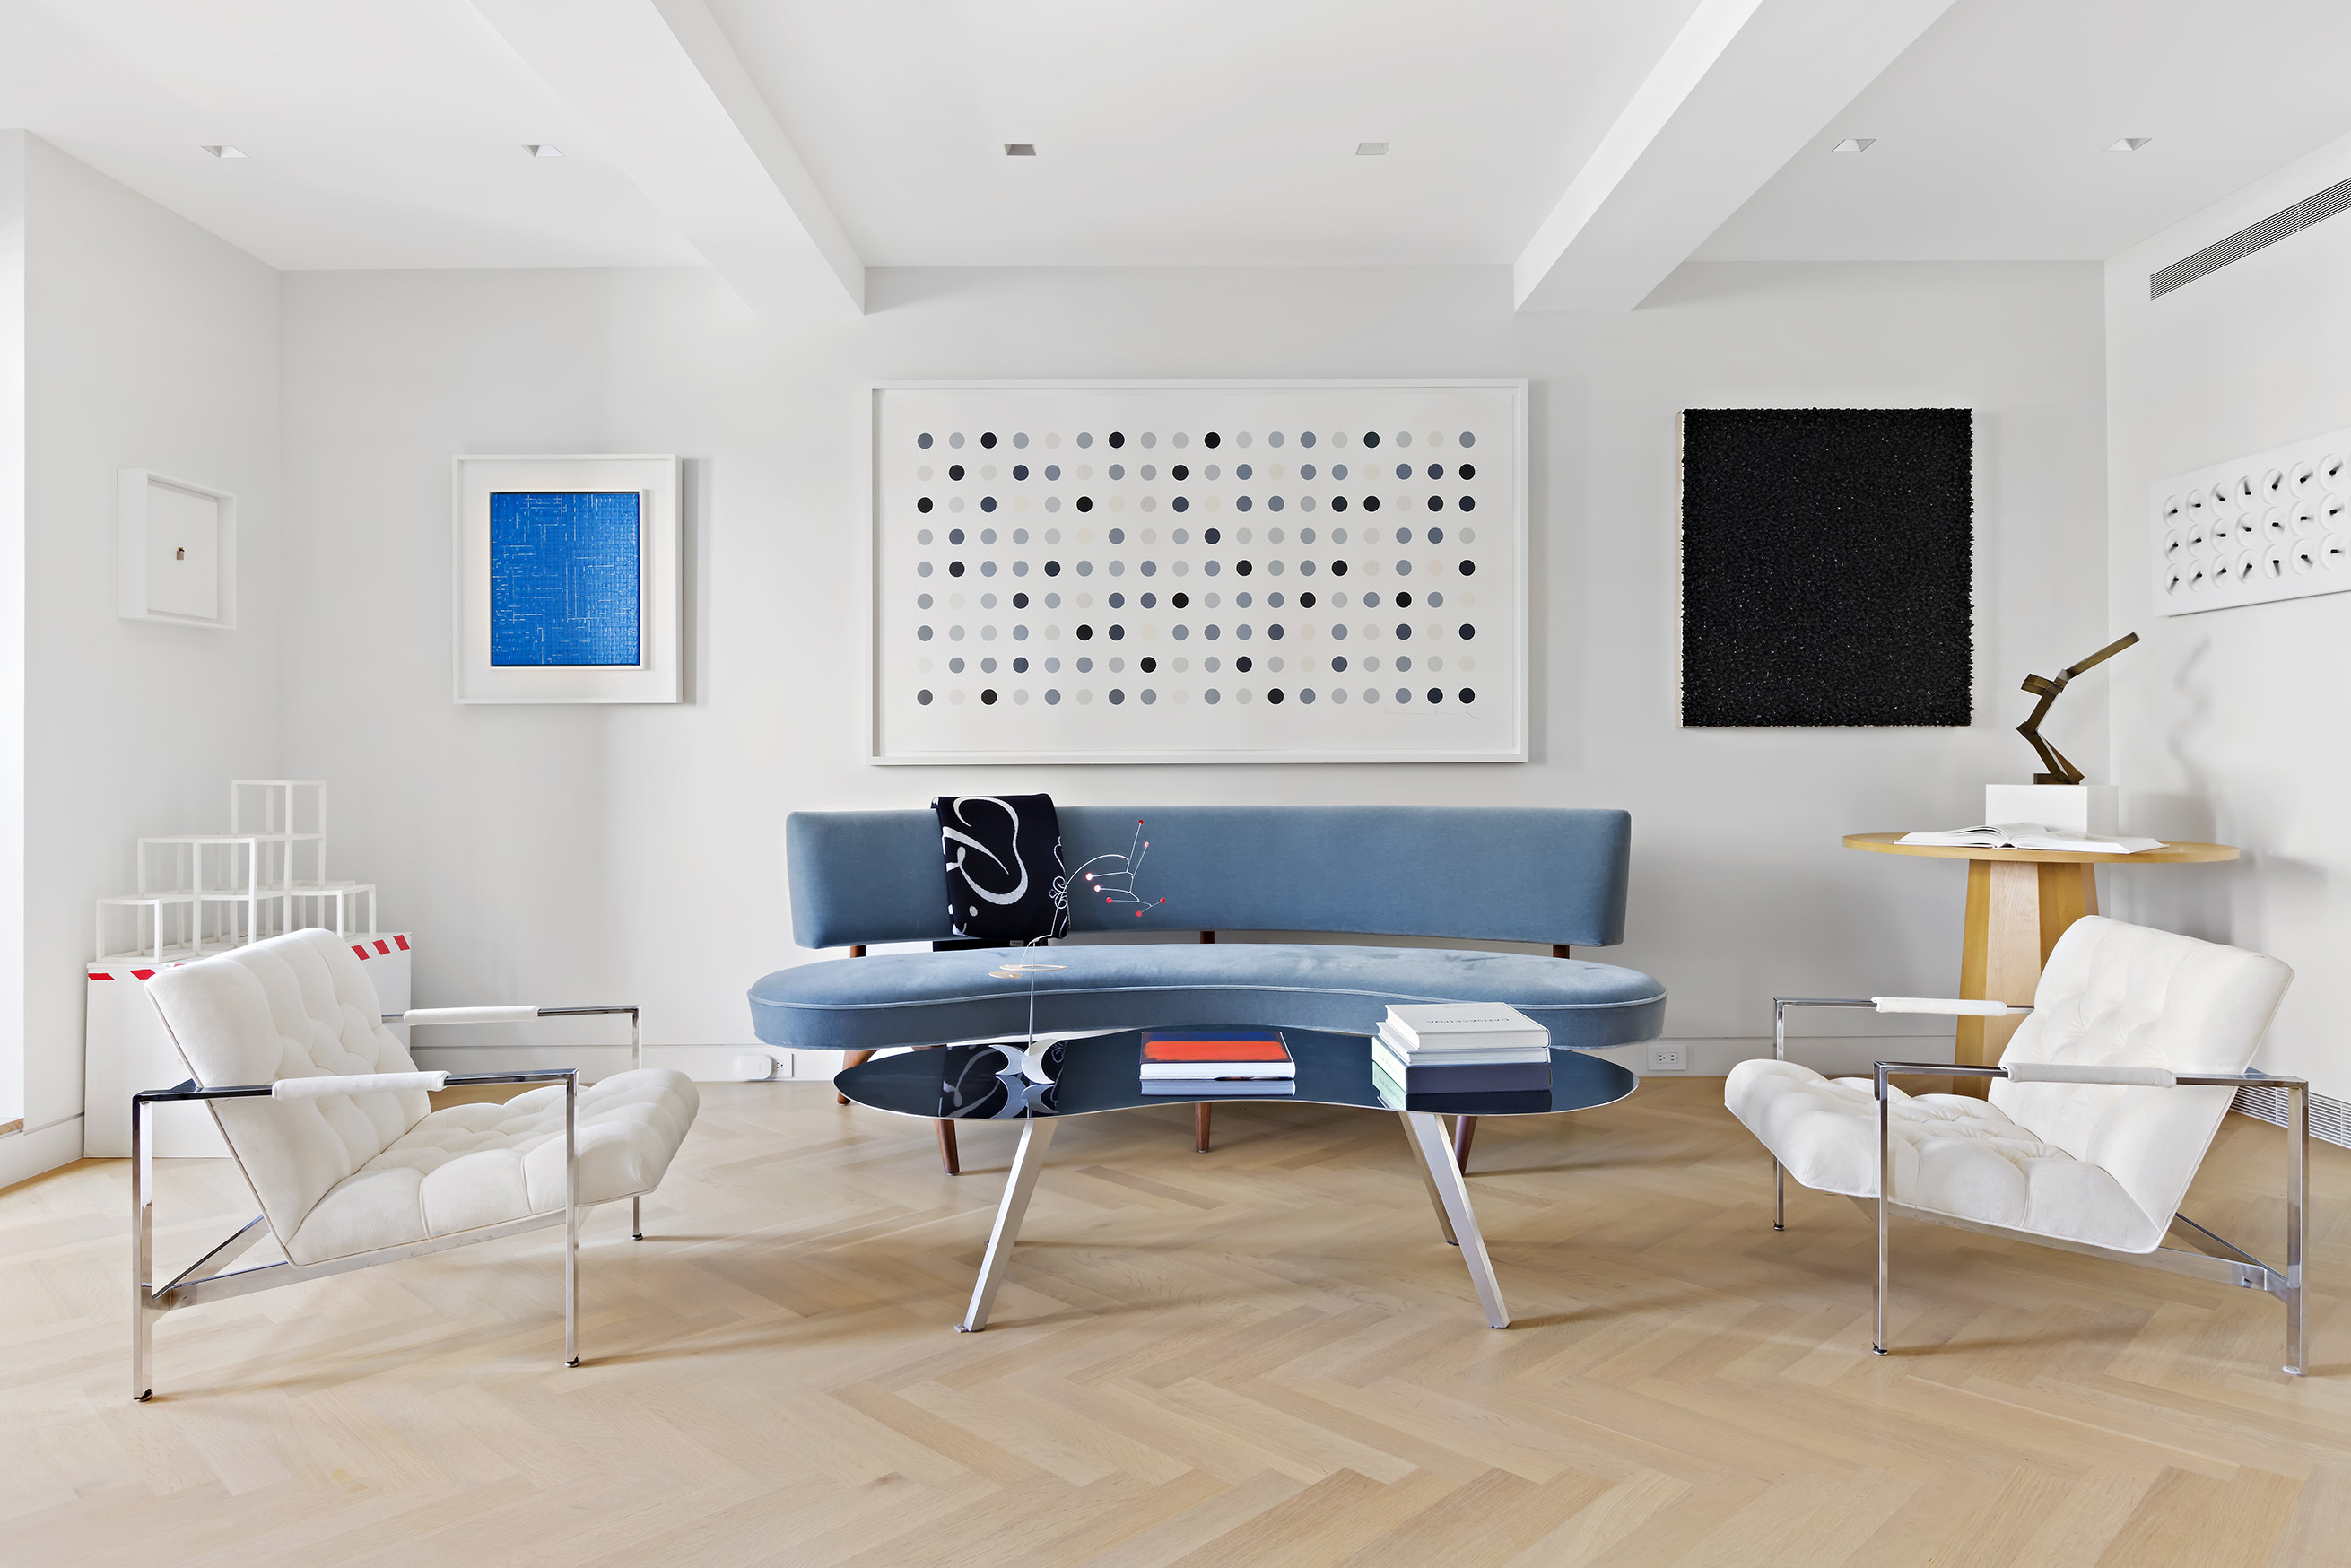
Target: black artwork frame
<point x="1827" y="558"/>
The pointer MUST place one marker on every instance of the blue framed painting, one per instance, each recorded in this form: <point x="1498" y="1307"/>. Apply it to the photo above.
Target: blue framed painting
<point x="567" y="579"/>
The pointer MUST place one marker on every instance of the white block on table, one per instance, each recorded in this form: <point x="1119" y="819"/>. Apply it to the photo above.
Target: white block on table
<point x="2091" y="809"/>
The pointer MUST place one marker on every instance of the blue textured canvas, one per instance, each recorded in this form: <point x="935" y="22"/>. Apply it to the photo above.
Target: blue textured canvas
<point x="564" y="577"/>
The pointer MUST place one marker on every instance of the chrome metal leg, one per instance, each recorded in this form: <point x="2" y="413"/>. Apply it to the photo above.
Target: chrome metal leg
<point x="1435" y="1198"/>
<point x="1884" y="1135"/>
<point x="1779" y="1195"/>
<point x="637" y="1217"/>
<point x="1036" y="1136"/>
<point x="143" y="1253"/>
<point x="1426" y="1130"/>
<point x="2297" y="1218"/>
<point x="571" y="1220"/>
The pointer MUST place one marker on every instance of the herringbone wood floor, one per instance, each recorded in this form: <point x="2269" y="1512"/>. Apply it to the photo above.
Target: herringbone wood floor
<point x="1260" y="1355"/>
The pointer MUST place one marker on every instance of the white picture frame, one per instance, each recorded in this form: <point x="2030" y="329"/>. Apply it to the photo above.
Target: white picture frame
<point x="175" y="551"/>
<point x="656" y="676"/>
<point x="1181" y="714"/>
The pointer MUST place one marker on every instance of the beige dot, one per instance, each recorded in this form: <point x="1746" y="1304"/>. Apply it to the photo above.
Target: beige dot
<point x="1436" y="438"/>
<point x="1241" y="696"/>
<point x="1467" y="600"/>
<point x="988" y="470"/>
<point x="1468" y="664"/>
<point x="1151" y="633"/>
<point x="1117" y="503"/>
<point x="955" y="695"/>
<point x="1056" y="440"/>
<point x="1084" y="471"/>
<point x="1052" y="633"/>
<point x="1214" y="504"/>
<point x="1370" y="568"/>
<point x="1085" y="536"/>
<point x="1020" y="503"/>
<point x="1307" y="631"/>
<point x="1085" y="696"/>
<point x="923" y="664"/>
<point x="1085" y="602"/>
<point x="1436" y="662"/>
<point x="1149" y="536"/>
<point x="955" y="601"/>
<point x="924" y="472"/>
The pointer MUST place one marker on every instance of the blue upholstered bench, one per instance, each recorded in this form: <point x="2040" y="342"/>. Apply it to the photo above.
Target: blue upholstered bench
<point x="1554" y="877"/>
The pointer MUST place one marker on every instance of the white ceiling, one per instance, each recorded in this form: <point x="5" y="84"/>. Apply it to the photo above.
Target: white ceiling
<point x="387" y="134"/>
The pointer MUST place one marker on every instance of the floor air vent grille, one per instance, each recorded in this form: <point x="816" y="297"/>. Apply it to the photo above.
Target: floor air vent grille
<point x="2245" y="241"/>
<point x="2330" y="1120"/>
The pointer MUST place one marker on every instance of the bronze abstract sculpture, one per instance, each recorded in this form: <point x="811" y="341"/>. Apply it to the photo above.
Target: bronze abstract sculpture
<point x="2060" y="771"/>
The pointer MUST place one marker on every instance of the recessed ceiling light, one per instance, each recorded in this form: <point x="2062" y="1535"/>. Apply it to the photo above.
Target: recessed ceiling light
<point x="1854" y="144"/>
<point x="2130" y="144"/>
<point x="1371" y="148"/>
<point x="224" y="150"/>
<point x="542" y="148"/>
<point x="1021" y="150"/>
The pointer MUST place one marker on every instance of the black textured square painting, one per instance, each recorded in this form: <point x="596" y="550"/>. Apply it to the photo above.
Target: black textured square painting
<point x="1826" y="566"/>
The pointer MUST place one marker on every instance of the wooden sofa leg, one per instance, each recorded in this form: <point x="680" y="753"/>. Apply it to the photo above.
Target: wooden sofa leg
<point x="1464" y="1129"/>
<point x="1200" y="1128"/>
<point x="856" y="1059"/>
<point x="948" y="1158"/>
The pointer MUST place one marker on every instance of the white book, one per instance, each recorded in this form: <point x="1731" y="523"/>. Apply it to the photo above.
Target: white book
<point x="2031" y="836"/>
<point x="1476" y="1055"/>
<point x="1464" y="1025"/>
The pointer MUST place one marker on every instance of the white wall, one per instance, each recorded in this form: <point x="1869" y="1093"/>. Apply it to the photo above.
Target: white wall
<point x="12" y="638"/>
<point x="2236" y="724"/>
<point x="568" y="854"/>
<point x="149" y="343"/>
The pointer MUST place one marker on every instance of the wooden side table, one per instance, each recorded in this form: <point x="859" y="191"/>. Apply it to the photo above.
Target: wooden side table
<point x="2019" y="903"/>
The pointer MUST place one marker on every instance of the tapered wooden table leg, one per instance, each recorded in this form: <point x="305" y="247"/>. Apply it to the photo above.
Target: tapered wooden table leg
<point x="1464" y="1128"/>
<point x="855" y="1058"/>
<point x="948" y="1158"/>
<point x="2016" y="911"/>
<point x="1200" y="1128"/>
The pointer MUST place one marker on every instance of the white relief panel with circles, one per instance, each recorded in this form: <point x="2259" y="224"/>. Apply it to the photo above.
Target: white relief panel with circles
<point x="1198" y="572"/>
<point x="2273" y="526"/>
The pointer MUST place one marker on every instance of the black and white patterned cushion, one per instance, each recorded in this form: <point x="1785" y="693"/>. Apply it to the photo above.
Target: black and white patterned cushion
<point x="1003" y="859"/>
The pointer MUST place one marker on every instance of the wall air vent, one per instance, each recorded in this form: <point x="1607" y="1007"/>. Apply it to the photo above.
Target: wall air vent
<point x="2244" y="242"/>
<point x="2330" y="1119"/>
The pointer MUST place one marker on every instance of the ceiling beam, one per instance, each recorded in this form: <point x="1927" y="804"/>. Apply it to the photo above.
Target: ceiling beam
<point x="1744" y="86"/>
<point x="657" y="84"/>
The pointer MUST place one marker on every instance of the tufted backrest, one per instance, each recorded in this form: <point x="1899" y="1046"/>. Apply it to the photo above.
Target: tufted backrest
<point x="291" y="1007"/>
<point x="2117" y="995"/>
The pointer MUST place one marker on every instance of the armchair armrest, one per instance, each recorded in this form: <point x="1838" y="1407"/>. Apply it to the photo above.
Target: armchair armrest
<point x="1961" y="1006"/>
<point x="2066" y="1073"/>
<point x="353" y="1084"/>
<point x="325" y="1084"/>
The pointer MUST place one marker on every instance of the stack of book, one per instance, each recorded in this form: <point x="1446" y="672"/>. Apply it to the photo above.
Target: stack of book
<point x="1204" y="1063"/>
<point x="1460" y="1048"/>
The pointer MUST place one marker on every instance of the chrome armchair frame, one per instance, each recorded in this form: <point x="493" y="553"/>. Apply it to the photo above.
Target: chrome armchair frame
<point x="205" y="1278"/>
<point x="2206" y="1256"/>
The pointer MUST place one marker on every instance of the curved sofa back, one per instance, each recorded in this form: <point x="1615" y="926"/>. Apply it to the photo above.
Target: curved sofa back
<point x="1499" y="874"/>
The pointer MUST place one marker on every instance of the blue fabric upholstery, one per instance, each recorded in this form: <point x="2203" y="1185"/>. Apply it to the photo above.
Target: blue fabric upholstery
<point x="926" y="998"/>
<point x="1502" y="873"/>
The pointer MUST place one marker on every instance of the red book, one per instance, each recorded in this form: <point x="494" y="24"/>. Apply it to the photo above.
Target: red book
<point x="1192" y="1053"/>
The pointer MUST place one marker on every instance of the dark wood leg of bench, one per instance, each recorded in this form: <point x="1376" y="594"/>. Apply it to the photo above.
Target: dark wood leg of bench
<point x="948" y="1158"/>
<point x="1200" y="1128"/>
<point x="1464" y="1129"/>
<point x="856" y="1059"/>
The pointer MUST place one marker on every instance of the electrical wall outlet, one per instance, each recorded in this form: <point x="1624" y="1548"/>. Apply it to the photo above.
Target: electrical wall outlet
<point x="1666" y="1058"/>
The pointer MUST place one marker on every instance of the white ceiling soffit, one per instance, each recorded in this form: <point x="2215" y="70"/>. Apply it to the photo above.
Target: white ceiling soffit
<point x="1741" y="90"/>
<point x="659" y="87"/>
<point x="1992" y="131"/>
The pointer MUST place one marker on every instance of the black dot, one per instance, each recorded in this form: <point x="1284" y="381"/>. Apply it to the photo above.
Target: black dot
<point x="1467" y="632"/>
<point x="1338" y="568"/>
<point x="1371" y="503"/>
<point x="1338" y="503"/>
<point x="1021" y="470"/>
<point x="1468" y="569"/>
<point x="1085" y="502"/>
<point x="1467" y="471"/>
<point x="1339" y="664"/>
<point x="923" y="441"/>
<point x="956" y="472"/>
<point x="987" y="503"/>
<point x="1306" y="601"/>
<point x="954" y="569"/>
<point x="1371" y="438"/>
<point x="1437" y="694"/>
<point x="1020" y="667"/>
<point x="1020" y="601"/>
<point x="924" y="697"/>
<point x="1436" y="470"/>
<point x="924" y="504"/>
<point x="1211" y="439"/>
<point x="1149" y="663"/>
<point x="1117" y="439"/>
<point x="1403" y="600"/>
<point x="1404" y="632"/>
<point x="1436" y="503"/>
<point x="1052" y="569"/>
<point x="1242" y="664"/>
<point x="1085" y="634"/>
<point x="1242" y="567"/>
<point x="1274" y="696"/>
<point x="1468" y="695"/>
<point x="988" y="439"/>
<point x="1118" y="634"/>
<point x="1210" y="537"/>
<point x="989" y="696"/>
<point x="1469" y="503"/>
<point x="1180" y="504"/>
<point x="1181" y="601"/>
<point x="1179" y="472"/>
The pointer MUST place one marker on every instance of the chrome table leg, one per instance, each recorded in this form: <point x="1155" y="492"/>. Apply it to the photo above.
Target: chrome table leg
<point x="1426" y="1130"/>
<point x="1036" y="1136"/>
<point x="571" y="1220"/>
<point x="2297" y="1218"/>
<point x="143" y="1252"/>
<point x="1435" y="1198"/>
<point x="1885" y="1174"/>
<point x="1779" y="1195"/>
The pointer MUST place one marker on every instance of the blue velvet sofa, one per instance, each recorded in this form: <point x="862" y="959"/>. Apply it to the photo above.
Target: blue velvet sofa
<point x="1554" y="877"/>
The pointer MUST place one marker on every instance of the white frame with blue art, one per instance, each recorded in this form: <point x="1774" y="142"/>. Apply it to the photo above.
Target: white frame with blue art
<point x="656" y="676"/>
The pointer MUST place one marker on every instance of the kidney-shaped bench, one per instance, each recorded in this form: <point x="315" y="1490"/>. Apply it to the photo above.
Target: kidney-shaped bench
<point x="1553" y="877"/>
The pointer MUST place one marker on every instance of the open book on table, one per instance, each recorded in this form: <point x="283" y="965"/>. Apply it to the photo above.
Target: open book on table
<point x="2031" y="836"/>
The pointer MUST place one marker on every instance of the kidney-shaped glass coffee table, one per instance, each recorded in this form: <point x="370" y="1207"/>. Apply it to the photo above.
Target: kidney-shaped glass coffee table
<point x="1084" y="1077"/>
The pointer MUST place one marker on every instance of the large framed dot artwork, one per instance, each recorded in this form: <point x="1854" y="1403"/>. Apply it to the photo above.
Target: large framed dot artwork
<point x="1196" y="571"/>
<point x="567" y="579"/>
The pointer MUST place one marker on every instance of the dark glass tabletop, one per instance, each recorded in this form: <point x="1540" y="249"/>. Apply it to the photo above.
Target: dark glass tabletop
<point x="1102" y="1072"/>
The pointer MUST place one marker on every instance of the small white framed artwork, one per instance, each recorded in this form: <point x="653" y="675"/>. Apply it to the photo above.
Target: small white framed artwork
<point x="177" y="551"/>
<point x="567" y="584"/>
<point x="1198" y="571"/>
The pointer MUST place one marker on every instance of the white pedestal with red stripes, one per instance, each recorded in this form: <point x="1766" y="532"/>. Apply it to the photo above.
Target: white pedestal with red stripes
<point x="127" y="1049"/>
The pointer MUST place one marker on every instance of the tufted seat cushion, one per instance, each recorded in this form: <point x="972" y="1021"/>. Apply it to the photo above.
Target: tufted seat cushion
<point x="2104" y="1163"/>
<point x="350" y="1173"/>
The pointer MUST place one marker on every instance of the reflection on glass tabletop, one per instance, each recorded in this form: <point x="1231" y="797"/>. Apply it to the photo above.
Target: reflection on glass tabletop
<point x="1102" y="1072"/>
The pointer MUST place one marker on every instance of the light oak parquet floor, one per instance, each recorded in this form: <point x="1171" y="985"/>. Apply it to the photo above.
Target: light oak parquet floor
<point x="1260" y="1355"/>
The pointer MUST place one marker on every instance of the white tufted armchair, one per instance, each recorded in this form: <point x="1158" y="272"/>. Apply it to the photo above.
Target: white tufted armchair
<point x="326" y="1115"/>
<point x="2099" y="1114"/>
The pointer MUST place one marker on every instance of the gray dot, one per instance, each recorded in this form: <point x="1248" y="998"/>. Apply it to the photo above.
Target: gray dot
<point x="1273" y="438"/>
<point x="1149" y="696"/>
<point x="956" y="439"/>
<point x="1337" y="694"/>
<point x="923" y="441"/>
<point x="1469" y="439"/>
<point x="924" y="697"/>
<point x="1052" y="695"/>
<point x="921" y="601"/>
<point x="1305" y="438"/>
<point x="1211" y="696"/>
<point x="1150" y="569"/>
<point x="922" y="537"/>
<point x="923" y="633"/>
<point x="1306" y="535"/>
<point x="1117" y="695"/>
<point x="1437" y="536"/>
<point x="1437" y="602"/>
<point x="1181" y="439"/>
<point x="987" y="535"/>
<point x="1180" y="632"/>
<point x="1149" y="440"/>
<point x="1404" y="694"/>
<point x="1020" y="633"/>
<point x="1118" y="535"/>
<point x="1306" y="693"/>
<point x="1305" y="503"/>
<point x="1403" y="438"/>
<point x="1020" y="536"/>
<point x="1404" y="470"/>
<point x="1371" y="694"/>
<point x="1404" y="569"/>
<point x="1084" y="440"/>
<point x="1023" y="440"/>
<point x="922" y="569"/>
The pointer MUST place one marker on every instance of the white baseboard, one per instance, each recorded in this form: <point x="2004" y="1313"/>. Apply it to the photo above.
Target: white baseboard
<point x="23" y="1155"/>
